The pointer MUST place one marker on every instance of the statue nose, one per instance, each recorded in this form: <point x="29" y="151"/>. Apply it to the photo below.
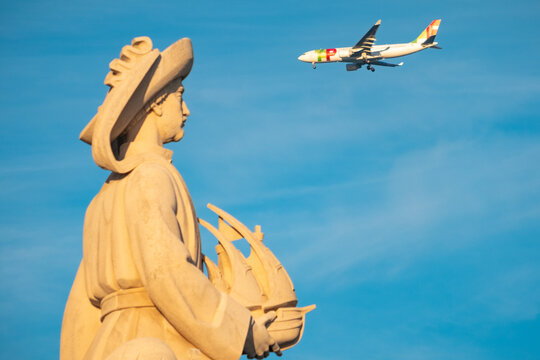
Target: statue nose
<point x="185" y="110"/>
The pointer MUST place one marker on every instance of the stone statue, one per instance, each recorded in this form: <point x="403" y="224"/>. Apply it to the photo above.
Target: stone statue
<point x="140" y="291"/>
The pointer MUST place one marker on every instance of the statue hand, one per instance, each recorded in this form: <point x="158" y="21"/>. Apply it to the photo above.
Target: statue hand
<point x="259" y="343"/>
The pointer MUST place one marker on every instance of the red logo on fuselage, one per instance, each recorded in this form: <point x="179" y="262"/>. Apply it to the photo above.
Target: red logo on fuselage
<point x="330" y="52"/>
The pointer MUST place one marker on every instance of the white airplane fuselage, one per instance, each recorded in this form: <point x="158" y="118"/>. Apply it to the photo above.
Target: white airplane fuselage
<point x="378" y="52"/>
<point x="365" y="52"/>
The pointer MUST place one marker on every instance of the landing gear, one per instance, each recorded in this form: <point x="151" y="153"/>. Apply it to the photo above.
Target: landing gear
<point x="369" y="67"/>
<point x="313" y="63"/>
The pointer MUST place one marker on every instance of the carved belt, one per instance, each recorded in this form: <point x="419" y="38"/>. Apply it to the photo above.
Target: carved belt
<point x="125" y="299"/>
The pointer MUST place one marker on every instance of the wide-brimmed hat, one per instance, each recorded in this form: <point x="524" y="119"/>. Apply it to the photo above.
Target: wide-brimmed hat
<point x="135" y="78"/>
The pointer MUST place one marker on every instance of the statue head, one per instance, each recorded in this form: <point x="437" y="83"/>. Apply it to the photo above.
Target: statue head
<point x="144" y="82"/>
<point x="168" y="112"/>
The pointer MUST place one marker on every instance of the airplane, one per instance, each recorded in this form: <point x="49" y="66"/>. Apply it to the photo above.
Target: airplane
<point x="365" y="52"/>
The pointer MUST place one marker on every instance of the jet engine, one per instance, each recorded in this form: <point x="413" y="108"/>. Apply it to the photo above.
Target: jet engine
<point x="352" y="67"/>
<point x="345" y="52"/>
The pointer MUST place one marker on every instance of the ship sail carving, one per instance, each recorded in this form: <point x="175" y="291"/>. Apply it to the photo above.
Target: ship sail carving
<point x="236" y="273"/>
<point x="259" y="282"/>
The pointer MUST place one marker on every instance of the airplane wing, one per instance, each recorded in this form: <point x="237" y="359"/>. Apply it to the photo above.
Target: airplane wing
<point x="382" y="63"/>
<point x="364" y="45"/>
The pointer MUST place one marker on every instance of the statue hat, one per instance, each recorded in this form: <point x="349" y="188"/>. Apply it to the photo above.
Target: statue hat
<point x="135" y="78"/>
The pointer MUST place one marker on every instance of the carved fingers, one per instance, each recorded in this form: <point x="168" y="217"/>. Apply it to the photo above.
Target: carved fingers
<point x="267" y="318"/>
<point x="276" y="349"/>
<point x="259" y="343"/>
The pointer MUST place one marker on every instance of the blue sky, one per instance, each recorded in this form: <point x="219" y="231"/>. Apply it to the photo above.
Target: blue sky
<point x="405" y="203"/>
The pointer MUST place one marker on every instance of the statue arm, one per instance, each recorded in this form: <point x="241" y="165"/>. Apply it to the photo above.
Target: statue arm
<point x="209" y="319"/>
<point x="81" y="321"/>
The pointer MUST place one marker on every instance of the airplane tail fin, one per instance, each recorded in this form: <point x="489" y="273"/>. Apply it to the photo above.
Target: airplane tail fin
<point x="427" y="36"/>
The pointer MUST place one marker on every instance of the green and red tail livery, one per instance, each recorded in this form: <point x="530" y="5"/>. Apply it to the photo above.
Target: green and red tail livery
<point x="430" y="31"/>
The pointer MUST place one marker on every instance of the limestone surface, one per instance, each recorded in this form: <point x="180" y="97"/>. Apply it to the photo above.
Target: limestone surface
<point x="140" y="291"/>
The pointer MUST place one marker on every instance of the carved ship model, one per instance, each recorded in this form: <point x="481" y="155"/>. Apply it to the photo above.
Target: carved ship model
<point x="259" y="282"/>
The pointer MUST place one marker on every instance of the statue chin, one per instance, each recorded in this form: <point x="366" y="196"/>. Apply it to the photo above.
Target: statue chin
<point x="179" y="136"/>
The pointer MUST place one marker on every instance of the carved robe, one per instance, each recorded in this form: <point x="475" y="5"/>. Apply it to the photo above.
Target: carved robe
<point x="142" y="265"/>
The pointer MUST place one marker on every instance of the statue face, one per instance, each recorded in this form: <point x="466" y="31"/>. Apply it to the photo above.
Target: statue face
<point x="174" y="115"/>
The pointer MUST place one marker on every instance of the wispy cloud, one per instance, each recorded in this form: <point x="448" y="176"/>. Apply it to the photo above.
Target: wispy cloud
<point x="514" y="294"/>
<point x="470" y="189"/>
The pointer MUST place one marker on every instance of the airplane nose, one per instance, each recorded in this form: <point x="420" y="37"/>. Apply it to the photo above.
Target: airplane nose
<point x="302" y="57"/>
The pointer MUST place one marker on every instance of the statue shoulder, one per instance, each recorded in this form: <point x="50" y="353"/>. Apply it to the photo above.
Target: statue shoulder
<point x="151" y="177"/>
